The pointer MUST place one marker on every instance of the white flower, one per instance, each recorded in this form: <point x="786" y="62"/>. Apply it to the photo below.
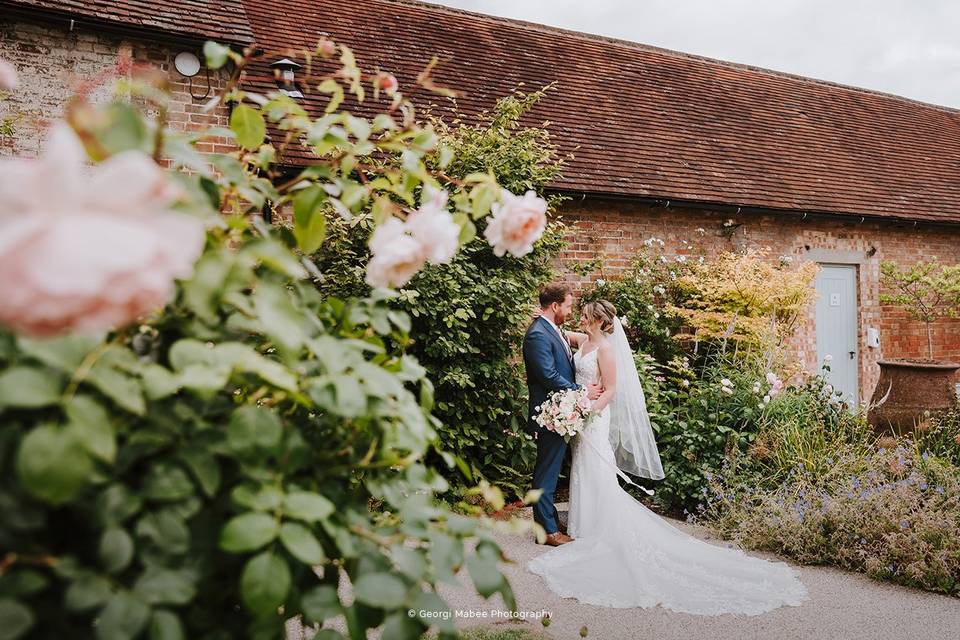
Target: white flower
<point x="601" y="282"/>
<point x="726" y="382"/>
<point x="397" y="256"/>
<point x="766" y="399"/>
<point x="727" y="390"/>
<point x="516" y="223"/>
<point x="701" y="231"/>
<point x="623" y="321"/>
<point x="685" y="383"/>
<point x="434" y="228"/>
<point x="681" y="259"/>
<point x="827" y="358"/>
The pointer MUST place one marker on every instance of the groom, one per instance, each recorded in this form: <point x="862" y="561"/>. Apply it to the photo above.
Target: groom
<point x="549" y="364"/>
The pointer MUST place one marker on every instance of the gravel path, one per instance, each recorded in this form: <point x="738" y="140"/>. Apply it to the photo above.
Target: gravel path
<point x="842" y="605"/>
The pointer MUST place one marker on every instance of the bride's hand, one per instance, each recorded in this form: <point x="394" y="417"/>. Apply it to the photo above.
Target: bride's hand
<point x="594" y="391"/>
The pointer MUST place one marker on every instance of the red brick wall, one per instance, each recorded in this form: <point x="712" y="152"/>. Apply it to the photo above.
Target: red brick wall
<point x="51" y="59"/>
<point x="615" y="230"/>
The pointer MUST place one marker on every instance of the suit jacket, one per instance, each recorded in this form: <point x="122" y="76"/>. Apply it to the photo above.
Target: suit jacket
<point x="548" y="366"/>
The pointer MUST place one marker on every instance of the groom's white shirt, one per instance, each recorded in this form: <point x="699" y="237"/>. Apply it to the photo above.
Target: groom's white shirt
<point x="563" y="338"/>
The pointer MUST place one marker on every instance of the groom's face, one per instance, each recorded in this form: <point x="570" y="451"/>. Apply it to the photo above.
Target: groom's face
<point x="564" y="310"/>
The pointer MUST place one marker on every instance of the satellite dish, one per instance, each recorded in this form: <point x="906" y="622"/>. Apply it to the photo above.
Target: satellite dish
<point x="188" y="64"/>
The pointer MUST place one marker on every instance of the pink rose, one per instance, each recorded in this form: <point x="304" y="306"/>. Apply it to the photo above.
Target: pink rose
<point x="386" y="82"/>
<point x="397" y="256"/>
<point x="326" y="47"/>
<point x="516" y="223"/>
<point x="8" y="76"/>
<point x="433" y="227"/>
<point x="88" y="250"/>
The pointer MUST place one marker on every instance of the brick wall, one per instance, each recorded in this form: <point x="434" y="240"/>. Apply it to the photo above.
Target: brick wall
<point x="51" y="60"/>
<point x="616" y="230"/>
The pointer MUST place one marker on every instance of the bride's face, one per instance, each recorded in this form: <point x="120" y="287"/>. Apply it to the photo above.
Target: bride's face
<point x="586" y="325"/>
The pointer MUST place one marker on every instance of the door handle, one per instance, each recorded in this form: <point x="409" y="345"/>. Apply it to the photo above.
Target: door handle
<point x="852" y="353"/>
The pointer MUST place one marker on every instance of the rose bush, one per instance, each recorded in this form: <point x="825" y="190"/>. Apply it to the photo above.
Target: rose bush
<point x="231" y="460"/>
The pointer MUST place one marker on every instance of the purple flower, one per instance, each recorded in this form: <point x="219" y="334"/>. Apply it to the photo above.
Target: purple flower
<point x="863" y="541"/>
<point x="939" y="489"/>
<point x="923" y="486"/>
<point x="890" y="568"/>
<point x="904" y="524"/>
<point x="925" y="456"/>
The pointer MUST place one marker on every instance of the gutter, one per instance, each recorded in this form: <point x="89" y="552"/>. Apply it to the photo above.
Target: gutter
<point x="721" y="207"/>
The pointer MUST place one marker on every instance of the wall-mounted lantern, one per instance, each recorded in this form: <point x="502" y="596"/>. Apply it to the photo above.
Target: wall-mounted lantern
<point x="283" y="71"/>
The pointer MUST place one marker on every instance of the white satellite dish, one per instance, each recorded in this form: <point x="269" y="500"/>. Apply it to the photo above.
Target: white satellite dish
<point x="188" y="64"/>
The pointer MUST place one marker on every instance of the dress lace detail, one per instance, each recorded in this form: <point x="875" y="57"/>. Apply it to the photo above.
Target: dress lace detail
<point x="624" y="555"/>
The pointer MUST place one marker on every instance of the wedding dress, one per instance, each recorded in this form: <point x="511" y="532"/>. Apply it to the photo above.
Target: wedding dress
<point x="624" y="555"/>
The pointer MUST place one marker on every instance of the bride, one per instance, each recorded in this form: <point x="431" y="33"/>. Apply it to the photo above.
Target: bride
<point x="624" y="555"/>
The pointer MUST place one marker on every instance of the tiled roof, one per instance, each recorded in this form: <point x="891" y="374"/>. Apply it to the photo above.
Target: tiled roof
<point x="643" y="121"/>
<point x="223" y="21"/>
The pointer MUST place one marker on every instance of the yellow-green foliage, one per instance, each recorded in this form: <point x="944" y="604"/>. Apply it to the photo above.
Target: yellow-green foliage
<point x="744" y="298"/>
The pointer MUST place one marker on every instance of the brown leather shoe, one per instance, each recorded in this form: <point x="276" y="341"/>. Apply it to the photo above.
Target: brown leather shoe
<point x="557" y="539"/>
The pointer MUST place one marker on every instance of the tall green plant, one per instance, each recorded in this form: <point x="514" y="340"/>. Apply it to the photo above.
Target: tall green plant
<point x="469" y="315"/>
<point x="221" y="465"/>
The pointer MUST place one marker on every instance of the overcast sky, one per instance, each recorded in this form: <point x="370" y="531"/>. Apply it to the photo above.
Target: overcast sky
<point x="907" y="47"/>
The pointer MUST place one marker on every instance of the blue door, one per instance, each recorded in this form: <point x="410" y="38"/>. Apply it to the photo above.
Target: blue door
<point x="837" y="327"/>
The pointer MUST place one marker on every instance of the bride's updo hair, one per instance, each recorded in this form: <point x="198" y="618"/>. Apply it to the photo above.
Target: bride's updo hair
<point x="601" y="311"/>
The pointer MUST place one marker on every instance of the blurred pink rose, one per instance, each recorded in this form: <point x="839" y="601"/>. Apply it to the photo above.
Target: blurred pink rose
<point x="386" y="82"/>
<point x="8" y="76"/>
<point x="397" y="256"/>
<point x="516" y="223"/>
<point x="433" y="227"/>
<point x="88" y="250"/>
<point x="326" y="47"/>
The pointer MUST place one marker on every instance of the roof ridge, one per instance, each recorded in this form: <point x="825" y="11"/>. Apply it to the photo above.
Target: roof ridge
<point x="672" y="52"/>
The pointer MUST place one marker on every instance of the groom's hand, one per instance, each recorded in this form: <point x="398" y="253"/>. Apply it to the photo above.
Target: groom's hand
<point x="594" y="391"/>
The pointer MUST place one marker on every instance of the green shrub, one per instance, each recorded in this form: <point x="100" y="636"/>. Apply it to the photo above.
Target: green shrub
<point x="220" y="467"/>
<point x="940" y="435"/>
<point x="469" y="316"/>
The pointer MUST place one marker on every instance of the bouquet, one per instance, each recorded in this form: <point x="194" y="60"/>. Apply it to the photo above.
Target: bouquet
<point x="565" y="412"/>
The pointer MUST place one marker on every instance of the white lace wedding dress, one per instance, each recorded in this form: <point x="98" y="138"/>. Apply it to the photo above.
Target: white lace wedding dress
<point x="624" y="555"/>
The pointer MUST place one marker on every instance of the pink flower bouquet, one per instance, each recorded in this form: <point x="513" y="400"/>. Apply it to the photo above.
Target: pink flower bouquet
<point x="565" y="412"/>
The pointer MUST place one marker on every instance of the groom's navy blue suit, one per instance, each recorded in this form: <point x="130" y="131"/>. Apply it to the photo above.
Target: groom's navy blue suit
<point x="549" y="368"/>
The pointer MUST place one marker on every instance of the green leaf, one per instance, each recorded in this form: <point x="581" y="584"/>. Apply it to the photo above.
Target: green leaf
<point x="204" y="467"/>
<point x="124" y="131"/>
<point x="265" y="498"/>
<point x="64" y="354"/>
<point x="86" y="592"/>
<point x="165" y="530"/>
<point x="15" y="619"/>
<point x="120" y="387"/>
<point x="165" y="586"/>
<point x="321" y="603"/>
<point x="309" y="507"/>
<point x="91" y="424"/>
<point x="116" y="504"/>
<point x="309" y="223"/>
<point x="167" y="482"/>
<point x="254" y="430"/>
<point x="165" y="625"/>
<point x="399" y="625"/>
<point x="23" y="582"/>
<point x="265" y="583"/>
<point x="301" y="543"/>
<point x="123" y="618"/>
<point x="29" y="388"/>
<point x="483" y="570"/>
<point x="52" y="465"/>
<point x="116" y="549"/>
<point x="215" y="54"/>
<point x="248" y="532"/>
<point x="380" y="589"/>
<point x="436" y="612"/>
<point x="248" y="125"/>
<point x="282" y="321"/>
